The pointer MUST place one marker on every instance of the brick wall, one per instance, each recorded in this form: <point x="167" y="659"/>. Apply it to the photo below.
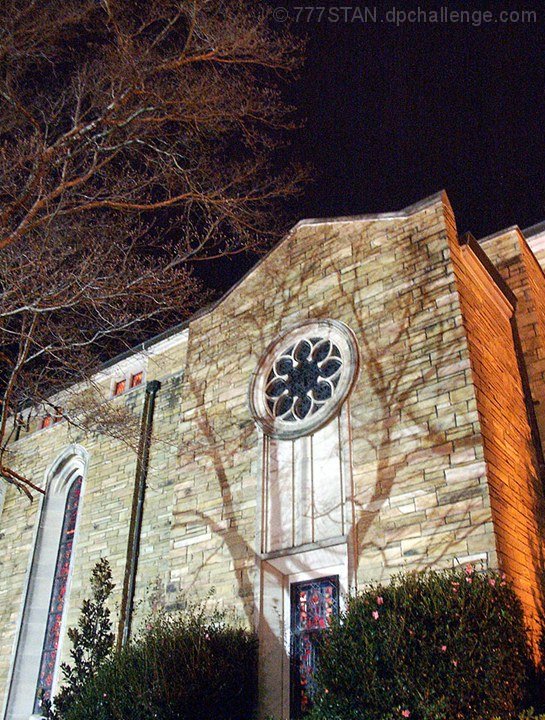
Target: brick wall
<point x="512" y="256"/>
<point x="516" y="496"/>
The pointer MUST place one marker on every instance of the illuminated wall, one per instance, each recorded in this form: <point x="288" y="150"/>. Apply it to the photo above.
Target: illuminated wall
<point x="516" y="495"/>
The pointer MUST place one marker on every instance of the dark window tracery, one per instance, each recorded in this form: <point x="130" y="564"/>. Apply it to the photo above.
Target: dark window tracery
<point x="303" y="378"/>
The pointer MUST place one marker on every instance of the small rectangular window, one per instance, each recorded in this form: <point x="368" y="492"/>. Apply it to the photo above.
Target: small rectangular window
<point x="136" y="379"/>
<point x="47" y="421"/>
<point x="119" y="387"/>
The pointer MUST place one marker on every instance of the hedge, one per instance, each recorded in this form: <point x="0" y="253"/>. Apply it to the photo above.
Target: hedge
<point x="183" y="666"/>
<point x="427" y="646"/>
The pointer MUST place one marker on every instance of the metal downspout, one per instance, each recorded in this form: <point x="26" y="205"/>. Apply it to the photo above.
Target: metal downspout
<point x="135" y="530"/>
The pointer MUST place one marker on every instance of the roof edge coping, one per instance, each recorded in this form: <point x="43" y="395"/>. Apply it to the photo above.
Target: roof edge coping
<point x="406" y="212"/>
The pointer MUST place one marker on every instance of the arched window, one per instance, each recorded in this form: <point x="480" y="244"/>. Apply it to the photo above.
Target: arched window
<point x="58" y="596"/>
<point x="34" y="671"/>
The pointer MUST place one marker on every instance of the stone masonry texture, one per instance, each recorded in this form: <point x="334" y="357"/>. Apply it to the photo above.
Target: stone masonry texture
<point x="445" y="469"/>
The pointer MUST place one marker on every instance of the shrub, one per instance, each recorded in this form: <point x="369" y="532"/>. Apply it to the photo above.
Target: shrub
<point x="92" y="642"/>
<point x="182" y="666"/>
<point x="431" y="646"/>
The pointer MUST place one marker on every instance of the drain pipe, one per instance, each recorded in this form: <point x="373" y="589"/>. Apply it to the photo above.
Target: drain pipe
<point x="135" y="529"/>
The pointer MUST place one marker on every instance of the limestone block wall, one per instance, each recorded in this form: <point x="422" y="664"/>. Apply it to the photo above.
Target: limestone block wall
<point x="3" y="488"/>
<point x="153" y="570"/>
<point x="421" y="496"/>
<point x="102" y="530"/>
<point x="105" y="505"/>
<point x="516" y="494"/>
<point x="420" y="490"/>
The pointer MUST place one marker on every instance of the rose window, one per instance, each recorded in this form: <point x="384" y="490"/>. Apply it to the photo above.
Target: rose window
<point x="303" y="378"/>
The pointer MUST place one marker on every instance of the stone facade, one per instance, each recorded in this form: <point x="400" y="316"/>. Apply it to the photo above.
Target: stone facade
<point x="434" y="455"/>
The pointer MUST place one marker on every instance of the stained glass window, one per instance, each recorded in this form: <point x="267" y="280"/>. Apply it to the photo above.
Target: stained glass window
<point x="303" y="378"/>
<point x="58" y="596"/>
<point x="313" y="604"/>
<point x="119" y="387"/>
<point x="136" y="379"/>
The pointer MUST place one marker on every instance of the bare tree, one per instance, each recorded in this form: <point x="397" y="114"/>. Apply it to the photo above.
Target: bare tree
<point x="137" y="137"/>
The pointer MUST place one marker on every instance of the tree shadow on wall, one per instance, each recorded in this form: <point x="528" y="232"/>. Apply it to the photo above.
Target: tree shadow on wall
<point x="411" y="447"/>
<point x="218" y="440"/>
<point x="406" y="353"/>
<point x="395" y="374"/>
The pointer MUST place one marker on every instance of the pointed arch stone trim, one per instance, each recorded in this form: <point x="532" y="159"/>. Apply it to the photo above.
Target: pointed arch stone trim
<point x="71" y="463"/>
<point x="64" y="468"/>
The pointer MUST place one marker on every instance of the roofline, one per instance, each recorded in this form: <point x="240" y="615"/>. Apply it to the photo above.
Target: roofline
<point x="536" y="229"/>
<point x="499" y="233"/>
<point x="371" y="217"/>
<point x="146" y="344"/>
<point x="393" y="215"/>
<point x="492" y="271"/>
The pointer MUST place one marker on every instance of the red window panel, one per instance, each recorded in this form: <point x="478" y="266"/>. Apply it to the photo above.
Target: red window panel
<point x="47" y="421"/>
<point x="119" y="387"/>
<point x="136" y="379"/>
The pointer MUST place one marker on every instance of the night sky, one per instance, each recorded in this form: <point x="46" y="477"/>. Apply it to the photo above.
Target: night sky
<point x="394" y="114"/>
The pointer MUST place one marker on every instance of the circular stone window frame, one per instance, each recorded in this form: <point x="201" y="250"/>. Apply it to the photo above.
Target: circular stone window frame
<point x="344" y="339"/>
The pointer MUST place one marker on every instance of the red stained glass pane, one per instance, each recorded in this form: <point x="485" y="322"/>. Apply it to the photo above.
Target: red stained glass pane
<point x="63" y="565"/>
<point x="313" y="604"/>
<point x="136" y="379"/>
<point x="58" y="596"/>
<point x="46" y="672"/>
<point x="59" y="591"/>
<point x="120" y="387"/>
<point x="53" y="632"/>
<point x="47" y="421"/>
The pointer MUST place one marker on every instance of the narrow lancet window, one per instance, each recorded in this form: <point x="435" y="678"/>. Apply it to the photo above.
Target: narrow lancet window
<point x="58" y="596"/>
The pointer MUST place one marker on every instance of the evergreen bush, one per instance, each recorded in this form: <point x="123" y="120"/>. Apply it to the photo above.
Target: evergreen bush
<point x="182" y="666"/>
<point x="92" y="642"/>
<point x="430" y="646"/>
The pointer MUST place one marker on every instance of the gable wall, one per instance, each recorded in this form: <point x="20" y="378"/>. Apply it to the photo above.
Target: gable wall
<point x="421" y="498"/>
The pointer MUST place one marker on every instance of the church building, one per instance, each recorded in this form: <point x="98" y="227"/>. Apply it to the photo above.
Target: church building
<point x="368" y="400"/>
